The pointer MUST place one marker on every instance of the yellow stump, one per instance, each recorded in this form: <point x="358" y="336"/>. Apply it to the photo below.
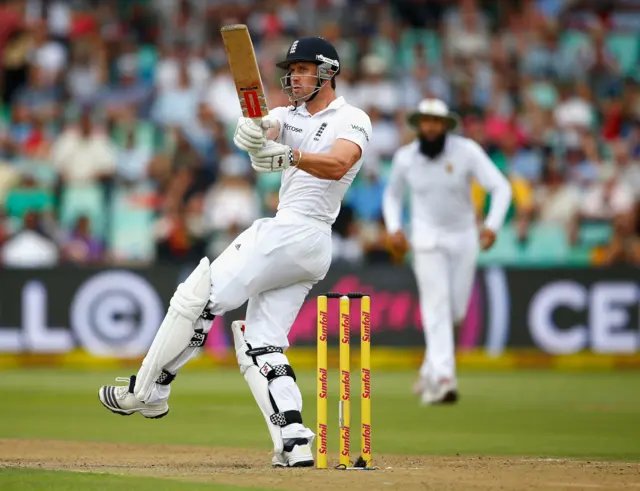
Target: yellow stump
<point x="322" y="393"/>
<point x="365" y="379"/>
<point x="345" y="383"/>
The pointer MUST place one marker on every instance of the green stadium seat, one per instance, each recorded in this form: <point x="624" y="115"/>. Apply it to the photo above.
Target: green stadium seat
<point x="147" y="60"/>
<point x="573" y="40"/>
<point x="626" y="48"/>
<point x="505" y="251"/>
<point x="385" y="49"/>
<point x="430" y="42"/>
<point x="131" y="235"/>
<point x="267" y="182"/>
<point x="89" y="200"/>
<point x="594" y="234"/>
<point x="548" y="244"/>
<point x="43" y="172"/>
<point x="579" y="256"/>
<point x="146" y="135"/>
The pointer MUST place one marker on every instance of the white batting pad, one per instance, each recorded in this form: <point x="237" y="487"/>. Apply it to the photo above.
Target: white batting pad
<point x="177" y="328"/>
<point x="258" y="384"/>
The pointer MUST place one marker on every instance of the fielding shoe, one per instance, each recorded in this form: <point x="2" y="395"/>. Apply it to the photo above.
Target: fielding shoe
<point x="120" y="400"/>
<point x="297" y="453"/>
<point x="420" y="385"/>
<point x="443" y="392"/>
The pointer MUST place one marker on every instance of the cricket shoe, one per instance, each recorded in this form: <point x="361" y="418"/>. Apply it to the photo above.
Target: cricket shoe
<point x="420" y="385"/>
<point x="120" y="400"/>
<point x="443" y="392"/>
<point x="297" y="453"/>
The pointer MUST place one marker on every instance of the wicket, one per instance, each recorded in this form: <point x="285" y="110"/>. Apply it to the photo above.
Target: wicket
<point x="364" y="462"/>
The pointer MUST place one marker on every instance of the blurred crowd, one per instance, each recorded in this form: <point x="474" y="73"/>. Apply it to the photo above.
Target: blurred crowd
<point x="116" y="120"/>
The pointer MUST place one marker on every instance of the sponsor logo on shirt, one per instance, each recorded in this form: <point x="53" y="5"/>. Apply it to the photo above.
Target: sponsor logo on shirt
<point x="320" y="131"/>
<point x="288" y="127"/>
<point x="361" y="130"/>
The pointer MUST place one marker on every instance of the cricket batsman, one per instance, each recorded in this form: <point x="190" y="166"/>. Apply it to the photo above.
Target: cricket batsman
<point x="437" y="168"/>
<point x="317" y="144"/>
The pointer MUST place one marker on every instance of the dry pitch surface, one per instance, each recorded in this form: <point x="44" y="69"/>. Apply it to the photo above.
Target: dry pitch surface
<point x="249" y="468"/>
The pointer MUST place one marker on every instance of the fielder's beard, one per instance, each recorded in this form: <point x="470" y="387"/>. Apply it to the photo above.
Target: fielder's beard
<point x="432" y="147"/>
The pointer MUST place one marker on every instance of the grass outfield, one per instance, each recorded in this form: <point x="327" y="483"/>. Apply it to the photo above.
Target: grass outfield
<point x="550" y="415"/>
<point x="37" y="480"/>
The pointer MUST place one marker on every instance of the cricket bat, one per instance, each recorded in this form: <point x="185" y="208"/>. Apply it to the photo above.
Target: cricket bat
<point x="245" y="71"/>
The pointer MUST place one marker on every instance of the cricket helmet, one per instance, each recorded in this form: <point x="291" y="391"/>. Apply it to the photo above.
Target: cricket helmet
<point x="315" y="50"/>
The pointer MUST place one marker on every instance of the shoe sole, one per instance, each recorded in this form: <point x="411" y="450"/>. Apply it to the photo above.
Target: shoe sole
<point x="302" y="463"/>
<point x="124" y="412"/>
<point x="449" y="398"/>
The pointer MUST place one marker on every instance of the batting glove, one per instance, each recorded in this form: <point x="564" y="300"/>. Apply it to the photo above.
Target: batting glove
<point x="272" y="157"/>
<point x="251" y="134"/>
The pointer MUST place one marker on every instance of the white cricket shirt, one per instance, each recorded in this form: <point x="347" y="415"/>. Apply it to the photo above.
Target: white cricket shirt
<point x="301" y="192"/>
<point x="440" y="190"/>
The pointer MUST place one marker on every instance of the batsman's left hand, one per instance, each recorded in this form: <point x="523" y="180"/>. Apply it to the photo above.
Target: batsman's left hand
<point x="272" y="157"/>
<point x="251" y="134"/>
<point x="487" y="238"/>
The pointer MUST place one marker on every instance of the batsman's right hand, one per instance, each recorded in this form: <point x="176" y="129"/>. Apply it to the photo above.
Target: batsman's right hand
<point x="251" y="134"/>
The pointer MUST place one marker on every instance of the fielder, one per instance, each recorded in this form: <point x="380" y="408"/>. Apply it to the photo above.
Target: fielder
<point x="437" y="167"/>
<point x="318" y="144"/>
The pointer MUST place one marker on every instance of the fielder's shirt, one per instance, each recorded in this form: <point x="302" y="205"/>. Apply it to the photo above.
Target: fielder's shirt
<point x="440" y="190"/>
<point x="317" y="133"/>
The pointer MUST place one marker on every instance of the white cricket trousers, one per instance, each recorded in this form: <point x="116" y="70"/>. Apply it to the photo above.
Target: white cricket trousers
<point x="273" y="264"/>
<point x="444" y="274"/>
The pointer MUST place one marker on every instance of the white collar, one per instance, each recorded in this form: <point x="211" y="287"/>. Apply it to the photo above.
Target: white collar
<point x="333" y="105"/>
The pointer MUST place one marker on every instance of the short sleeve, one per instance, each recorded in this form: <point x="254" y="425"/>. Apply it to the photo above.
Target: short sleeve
<point x="355" y="126"/>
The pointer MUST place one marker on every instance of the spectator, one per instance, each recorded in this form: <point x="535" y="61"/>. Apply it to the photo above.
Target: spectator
<point x="425" y="82"/>
<point x="467" y="30"/>
<point x="176" y="106"/>
<point x="628" y="168"/>
<point x="376" y="89"/>
<point x="129" y="92"/>
<point x="20" y="126"/>
<point x="607" y="198"/>
<point x="558" y="202"/>
<point x="374" y="240"/>
<point x="387" y="139"/>
<point x="30" y="247"/>
<point x="574" y="111"/>
<point x="365" y="197"/>
<point x="222" y="90"/>
<point x="579" y="168"/>
<point x="347" y="249"/>
<point x="545" y="94"/>
<point x="87" y="72"/>
<point x="83" y="154"/>
<point x="203" y="131"/>
<point x="231" y="204"/>
<point x="48" y="55"/>
<point x="168" y="69"/>
<point x="40" y="95"/>
<point x="624" y="246"/>
<point x="81" y="247"/>
<point x="522" y="162"/>
<point x="132" y="160"/>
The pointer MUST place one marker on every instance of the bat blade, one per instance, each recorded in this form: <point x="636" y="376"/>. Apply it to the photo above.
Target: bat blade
<point x="245" y="70"/>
